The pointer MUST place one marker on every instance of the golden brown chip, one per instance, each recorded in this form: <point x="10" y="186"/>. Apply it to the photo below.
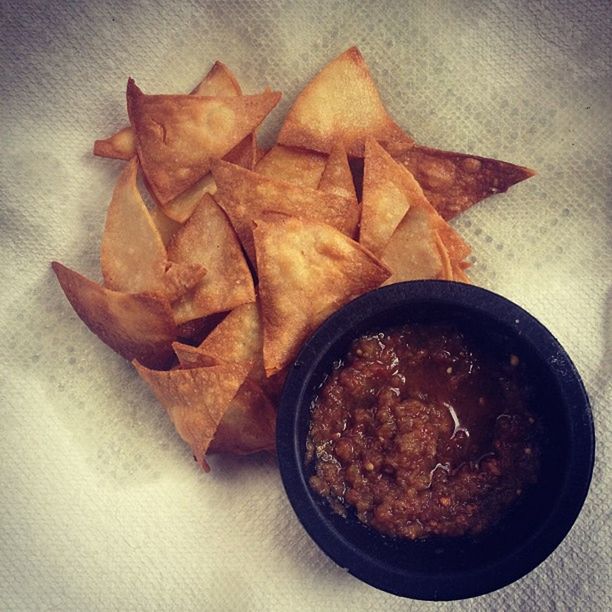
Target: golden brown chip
<point x="459" y="274"/>
<point x="337" y="176"/>
<point x="133" y="255"/>
<point x="135" y="326"/>
<point x="238" y="339"/>
<point x="182" y="207"/>
<point x="208" y="239"/>
<point x="388" y="189"/>
<point x="178" y="136"/>
<point x="412" y="253"/>
<point x="245" y="195"/>
<point x="244" y="153"/>
<point x="307" y="270"/>
<point x="196" y="400"/>
<point x="452" y="181"/>
<point x="120" y="145"/>
<point x="447" y="265"/>
<point x="218" y="82"/>
<point x="297" y="166"/>
<point x="248" y="425"/>
<point x="341" y="104"/>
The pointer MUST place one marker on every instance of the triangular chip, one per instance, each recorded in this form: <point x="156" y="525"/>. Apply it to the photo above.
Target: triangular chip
<point x="413" y="251"/>
<point x="298" y="166"/>
<point x="248" y="425"/>
<point x="452" y="181"/>
<point x="135" y="326"/>
<point x="245" y="195"/>
<point x="388" y="189"/>
<point x="307" y="270"/>
<point x="337" y="176"/>
<point x="340" y="105"/>
<point x="178" y="136"/>
<point x="133" y="255"/>
<point x="196" y="400"/>
<point x="218" y="82"/>
<point x="209" y="240"/>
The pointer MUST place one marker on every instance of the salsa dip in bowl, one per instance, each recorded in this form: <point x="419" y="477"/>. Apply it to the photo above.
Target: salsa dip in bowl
<point x="435" y="440"/>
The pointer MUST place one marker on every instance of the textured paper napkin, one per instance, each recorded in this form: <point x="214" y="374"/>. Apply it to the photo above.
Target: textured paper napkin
<point x="101" y="506"/>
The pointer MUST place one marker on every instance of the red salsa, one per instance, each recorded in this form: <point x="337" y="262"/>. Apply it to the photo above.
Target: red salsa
<point x="424" y="432"/>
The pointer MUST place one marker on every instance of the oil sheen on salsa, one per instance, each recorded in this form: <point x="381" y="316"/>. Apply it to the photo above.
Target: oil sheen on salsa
<point x="423" y="432"/>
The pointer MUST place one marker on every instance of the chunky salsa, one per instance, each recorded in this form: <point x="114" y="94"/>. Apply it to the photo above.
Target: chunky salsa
<point x="424" y="432"/>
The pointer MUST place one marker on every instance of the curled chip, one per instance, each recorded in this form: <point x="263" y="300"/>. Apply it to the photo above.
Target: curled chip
<point x="196" y="400"/>
<point x="208" y="240"/>
<point x="177" y="137"/>
<point x="218" y="82"/>
<point x="340" y="105"/>
<point x="133" y="256"/>
<point x="137" y="326"/>
<point x="452" y="181"/>
<point x="307" y="270"/>
<point x="245" y="195"/>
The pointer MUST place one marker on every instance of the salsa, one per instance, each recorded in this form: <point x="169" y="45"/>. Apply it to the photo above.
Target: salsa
<point x="422" y="431"/>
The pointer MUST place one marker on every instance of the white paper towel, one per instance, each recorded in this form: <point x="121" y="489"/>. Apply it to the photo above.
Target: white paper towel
<point x="102" y="507"/>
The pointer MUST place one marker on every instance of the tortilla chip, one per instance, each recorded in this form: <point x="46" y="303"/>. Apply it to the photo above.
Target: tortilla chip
<point x="208" y="240"/>
<point x="388" y="189"/>
<point x="307" y="270"/>
<point x="194" y="331"/>
<point x="133" y="255"/>
<point x="244" y="195"/>
<point x="166" y="226"/>
<point x="244" y="153"/>
<point x="447" y="267"/>
<point x="452" y="181"/>
<point x="337" y="176"/>
<point x="248" y="425"/>
<point x="196" y="400"/>
<point x="137" y="326"/>
<point x="238" y="339"/>
<point x="297" y="166"/>
<point x="413" y="251"/>
<point x="341" y="104"/>
<point x="120" y="145"/>
<point x="218" y="82"/>
<point x="178" y="136"/>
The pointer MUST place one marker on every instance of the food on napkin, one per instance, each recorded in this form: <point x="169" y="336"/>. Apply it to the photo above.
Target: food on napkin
<point x="178" y="269"/>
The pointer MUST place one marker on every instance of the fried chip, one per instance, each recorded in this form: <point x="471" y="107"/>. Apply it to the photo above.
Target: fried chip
<point x="388" y="189"/>
<point x="459" y="274"/>
<point x="133" y="255"/>
<point x="182" y="207"/>
<point x="244" y="153"/>
<point x="137" y="326"/>
<point x="196" y="400"/>
<point x="238" y="339"/>
<point x="178" y="136"/>
<point x="307" y="270"/>
<point x="341" y="104"/>
<point x="337" y="176"/>
<point x="192" y="357"/>
<point x="248" y="425"/>
<point x="218" y="82"/>
<point x="244" y="195"/>
<point x="208" y="239"/>
<point x="452" y="181"/>
<point x="298" y="166"/>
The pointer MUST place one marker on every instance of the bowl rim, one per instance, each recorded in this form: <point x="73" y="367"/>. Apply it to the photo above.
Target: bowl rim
<point x="356" y="561"/>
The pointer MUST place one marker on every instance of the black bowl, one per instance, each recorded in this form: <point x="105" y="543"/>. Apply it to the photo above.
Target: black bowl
<point x="446" y="568"/>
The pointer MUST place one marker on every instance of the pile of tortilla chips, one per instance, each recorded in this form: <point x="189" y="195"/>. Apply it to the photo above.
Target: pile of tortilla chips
<point x="212" y="291"/>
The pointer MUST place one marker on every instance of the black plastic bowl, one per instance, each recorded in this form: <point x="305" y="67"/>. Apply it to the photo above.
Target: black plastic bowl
<point x="437" y="568"/>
